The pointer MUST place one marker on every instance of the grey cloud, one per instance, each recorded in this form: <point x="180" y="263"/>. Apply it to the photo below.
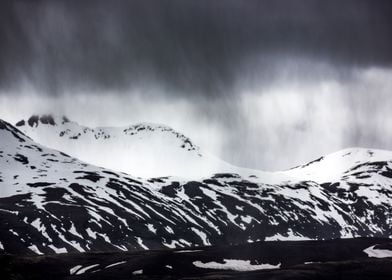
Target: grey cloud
<point x="184" y="47"/>
<point x="272" y="128"/>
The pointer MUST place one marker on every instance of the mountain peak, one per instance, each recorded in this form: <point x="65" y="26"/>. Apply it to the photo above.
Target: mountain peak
<point x="143" y="149"/>
<point x="336" y="165"/>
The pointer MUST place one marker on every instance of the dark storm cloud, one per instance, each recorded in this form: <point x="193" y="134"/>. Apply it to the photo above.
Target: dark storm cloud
<point x="262" y="84"/>
<point x="194" y="47"/>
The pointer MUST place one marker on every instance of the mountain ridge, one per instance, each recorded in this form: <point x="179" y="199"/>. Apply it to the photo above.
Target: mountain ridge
<point x="53" y="203"/>
<point x="143" y="149"/>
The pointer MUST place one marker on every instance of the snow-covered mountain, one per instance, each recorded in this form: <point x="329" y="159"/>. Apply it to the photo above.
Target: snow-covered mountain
<point x="339" y="165"/>
<point x="144" y="150"/>
<point x="52" y="203"/>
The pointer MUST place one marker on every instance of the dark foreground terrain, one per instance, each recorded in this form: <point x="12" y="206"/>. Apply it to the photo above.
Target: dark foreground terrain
<point x="332" y="259"/>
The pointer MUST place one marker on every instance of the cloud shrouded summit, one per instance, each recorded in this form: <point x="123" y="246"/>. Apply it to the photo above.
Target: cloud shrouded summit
<point x="262" y="84"/>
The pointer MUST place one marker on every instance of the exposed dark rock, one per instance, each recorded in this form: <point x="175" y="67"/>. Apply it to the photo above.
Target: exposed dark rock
<point x="92" y="176"/>
<point x="21" y="158"/>
<point x="33" y="120"/>
<point x="20" y="123"/>
<point x="65" y="119"/>
<point x="47" y="119"/>
<point x="40" y="184"/>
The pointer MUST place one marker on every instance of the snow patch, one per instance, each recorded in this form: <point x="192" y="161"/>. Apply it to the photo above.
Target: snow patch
<point x="35" y="249"/>
<point x="83" y="270"/>
<point x="237" y="265"/>
<point x="140" y="242"/>
<point x="58" y="250"/>
<point x="74" y="269"/>
<point x="152" y="228"/>
<point x="138" y="272"/>
<point x="378" y="253"/>
<point x="202" y="236"/>
<point x="114" y="264"/>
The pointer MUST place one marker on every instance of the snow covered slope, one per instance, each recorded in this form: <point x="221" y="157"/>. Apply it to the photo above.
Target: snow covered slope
<point x="339" y="165"/>
<point x="145" y="149"/>
<point x="52" y="203"/>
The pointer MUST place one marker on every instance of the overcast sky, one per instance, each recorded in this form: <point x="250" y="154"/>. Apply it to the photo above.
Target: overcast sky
<point x="262" y="84"/>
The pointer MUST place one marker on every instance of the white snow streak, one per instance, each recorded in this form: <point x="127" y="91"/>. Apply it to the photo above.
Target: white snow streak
<point x="237" y="265"/>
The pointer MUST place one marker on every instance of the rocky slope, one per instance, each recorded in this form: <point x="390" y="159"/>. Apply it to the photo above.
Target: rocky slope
<point x="53" y="203"/>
